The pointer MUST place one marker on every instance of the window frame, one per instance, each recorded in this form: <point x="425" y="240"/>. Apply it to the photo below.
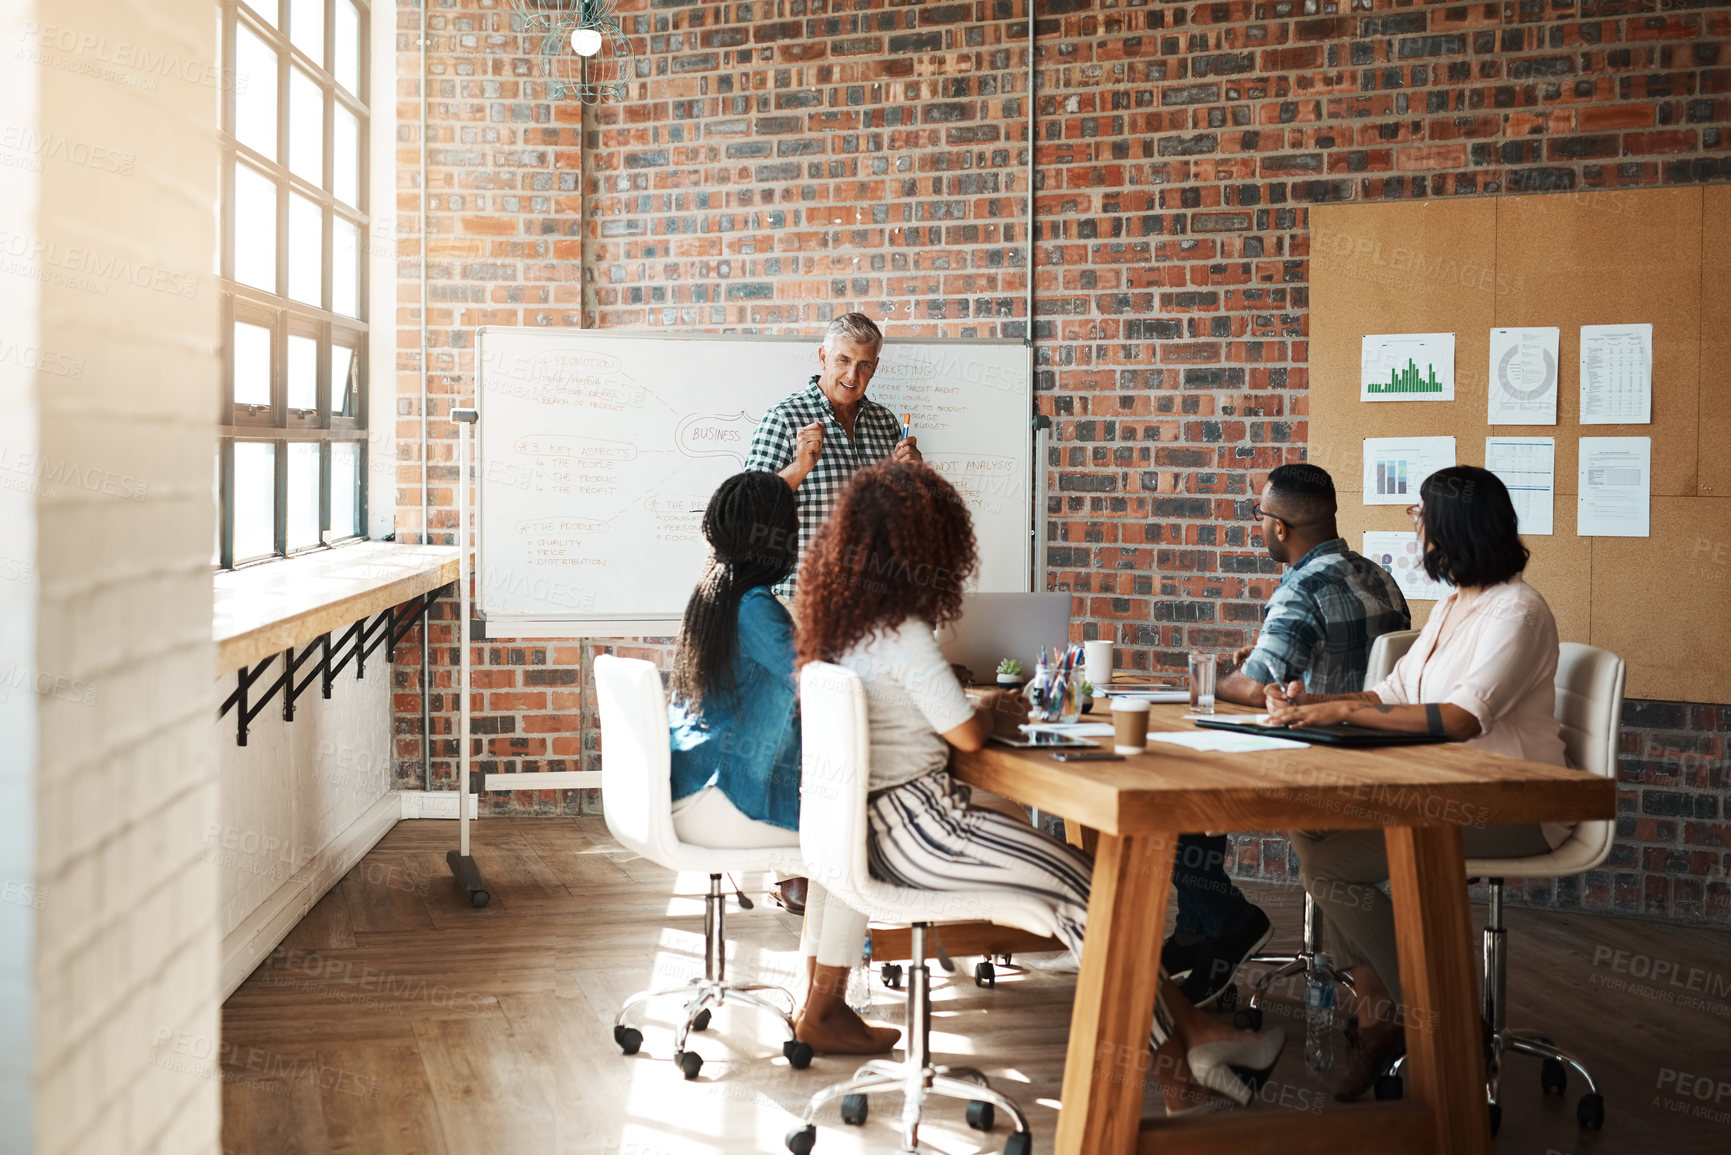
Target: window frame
<point x="274" y="309"/>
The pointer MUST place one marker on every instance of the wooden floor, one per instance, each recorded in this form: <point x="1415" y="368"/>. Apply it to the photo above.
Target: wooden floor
<point x="396" y="1020"/>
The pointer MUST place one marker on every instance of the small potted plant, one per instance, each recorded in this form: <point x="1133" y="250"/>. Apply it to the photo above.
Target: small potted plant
<point x="1086" y="690"/>
<point x="1010" y="674"/>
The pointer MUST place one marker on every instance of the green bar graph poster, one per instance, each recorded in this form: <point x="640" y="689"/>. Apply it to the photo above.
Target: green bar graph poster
<point x="1407" y="367"/>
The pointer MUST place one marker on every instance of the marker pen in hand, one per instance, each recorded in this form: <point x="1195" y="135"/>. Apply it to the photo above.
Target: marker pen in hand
<point x="907" y="424"/>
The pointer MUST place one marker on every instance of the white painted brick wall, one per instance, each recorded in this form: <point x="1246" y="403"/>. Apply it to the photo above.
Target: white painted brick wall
<point x="126" y="946"/>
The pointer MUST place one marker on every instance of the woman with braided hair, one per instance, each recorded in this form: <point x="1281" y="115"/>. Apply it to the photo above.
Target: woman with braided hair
<point x="735" y="734"/>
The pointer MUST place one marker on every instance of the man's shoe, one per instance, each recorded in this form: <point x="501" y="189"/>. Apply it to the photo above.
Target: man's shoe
<point x="789" y="894"/>
<point x="1219" y="960"/>
<point x="1177" y="959"/>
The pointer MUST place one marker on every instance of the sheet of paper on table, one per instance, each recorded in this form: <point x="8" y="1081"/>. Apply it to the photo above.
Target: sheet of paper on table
<point x="1226" y="742"/>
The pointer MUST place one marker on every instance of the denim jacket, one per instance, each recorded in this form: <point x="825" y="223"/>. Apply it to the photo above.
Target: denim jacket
<point x="749" y="746"/>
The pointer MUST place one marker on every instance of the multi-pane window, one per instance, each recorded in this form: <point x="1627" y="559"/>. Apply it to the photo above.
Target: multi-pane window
<point x="293" y="448"/>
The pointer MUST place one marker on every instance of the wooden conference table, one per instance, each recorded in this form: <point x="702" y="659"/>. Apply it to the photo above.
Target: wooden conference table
<point x="1420" y="795"/>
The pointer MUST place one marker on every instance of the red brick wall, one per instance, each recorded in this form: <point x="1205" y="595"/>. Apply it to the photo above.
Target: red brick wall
<point x="780" y="162"/>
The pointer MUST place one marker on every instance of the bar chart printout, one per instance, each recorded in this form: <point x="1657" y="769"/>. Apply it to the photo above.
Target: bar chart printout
<point x="1395" y="467"/>
<point x="1391" y="476"/>
<point x="1407" y="367"/>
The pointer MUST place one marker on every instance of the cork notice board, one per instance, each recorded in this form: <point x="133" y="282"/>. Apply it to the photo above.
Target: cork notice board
<point x="1659" y="256"/>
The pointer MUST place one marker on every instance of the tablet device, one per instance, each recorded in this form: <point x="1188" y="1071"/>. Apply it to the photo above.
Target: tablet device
<point x="1045" y="740"/>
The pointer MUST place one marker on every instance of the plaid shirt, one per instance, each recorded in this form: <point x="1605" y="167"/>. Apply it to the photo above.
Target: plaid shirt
<point x="1321" y="621"/>
<point x="876" y="432"/>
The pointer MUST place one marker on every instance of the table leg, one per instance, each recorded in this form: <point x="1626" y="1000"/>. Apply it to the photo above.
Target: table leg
<point x="1108" y="1060"/>
<point x="1083" y="838"/>
<point x="1444" y="1036"/>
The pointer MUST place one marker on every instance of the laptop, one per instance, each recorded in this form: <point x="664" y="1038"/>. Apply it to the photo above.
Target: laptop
<point x="1338" y="734"/>
<point x="998" y="626"/>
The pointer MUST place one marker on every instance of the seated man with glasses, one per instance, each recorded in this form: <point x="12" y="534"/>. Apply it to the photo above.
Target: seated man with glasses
<point x="1317" y="629"/>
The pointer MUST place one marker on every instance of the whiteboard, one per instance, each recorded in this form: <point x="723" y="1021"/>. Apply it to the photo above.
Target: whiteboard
<point x="597" y="452"/>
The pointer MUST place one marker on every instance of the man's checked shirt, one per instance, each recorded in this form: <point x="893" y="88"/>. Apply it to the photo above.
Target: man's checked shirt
<point x="876" y="432"/>
<point x="1319" y="625"/>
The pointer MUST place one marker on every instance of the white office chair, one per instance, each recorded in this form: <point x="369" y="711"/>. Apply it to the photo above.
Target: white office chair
<point x="636" y="782"/>
<point x="832" y="838"/>
<point x="1589" y="685"/>
<point x="1385" y="651"/>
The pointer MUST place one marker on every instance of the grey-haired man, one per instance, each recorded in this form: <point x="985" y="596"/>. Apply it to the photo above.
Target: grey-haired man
<point x="819" y="437"/>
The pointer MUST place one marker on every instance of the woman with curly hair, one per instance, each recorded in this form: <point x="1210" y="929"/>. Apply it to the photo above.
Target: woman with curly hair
<point x="735" y="735"/>
<point x="880" y="576"/>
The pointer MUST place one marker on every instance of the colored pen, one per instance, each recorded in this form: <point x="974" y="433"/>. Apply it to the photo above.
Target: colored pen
<point x="907" y="424"/>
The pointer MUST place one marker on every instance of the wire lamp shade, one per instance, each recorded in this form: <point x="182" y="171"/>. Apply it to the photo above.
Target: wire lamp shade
<point x="585" y="54"/>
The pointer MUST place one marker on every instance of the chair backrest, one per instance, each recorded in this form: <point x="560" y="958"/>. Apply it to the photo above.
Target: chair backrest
<point x="1589" y="685"/>
<point x="1388" y="649"/>
<point x="1589" y="707"/>
<point x="636" y="756"/>
<point x="834" y="774"/>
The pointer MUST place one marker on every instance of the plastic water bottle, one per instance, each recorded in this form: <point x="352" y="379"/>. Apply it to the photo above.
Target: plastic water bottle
<point x="859" y="980"/>
<point x="1319" y="1016"/>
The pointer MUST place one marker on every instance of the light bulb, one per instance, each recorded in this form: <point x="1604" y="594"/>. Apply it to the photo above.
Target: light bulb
<point x="585" y="41"/>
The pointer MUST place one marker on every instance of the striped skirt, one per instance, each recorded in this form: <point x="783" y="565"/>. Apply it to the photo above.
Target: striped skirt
<point x="925" y="835"/>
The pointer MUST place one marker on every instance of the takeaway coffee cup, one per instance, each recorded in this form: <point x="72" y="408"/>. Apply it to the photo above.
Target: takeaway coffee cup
<point x="1129" y="725"/>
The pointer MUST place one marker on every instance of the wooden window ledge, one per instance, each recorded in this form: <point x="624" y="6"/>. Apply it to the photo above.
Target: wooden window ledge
<point x="265" y="609"/>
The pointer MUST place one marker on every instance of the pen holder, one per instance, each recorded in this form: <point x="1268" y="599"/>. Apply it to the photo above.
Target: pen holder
<point x="1056" y="696"/>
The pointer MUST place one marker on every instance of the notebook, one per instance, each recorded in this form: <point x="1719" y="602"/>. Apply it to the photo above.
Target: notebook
<point x="1338" y="734"/>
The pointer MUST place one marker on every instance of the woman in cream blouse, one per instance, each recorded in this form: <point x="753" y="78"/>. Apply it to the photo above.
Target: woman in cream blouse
<point x="1480" y="674"/>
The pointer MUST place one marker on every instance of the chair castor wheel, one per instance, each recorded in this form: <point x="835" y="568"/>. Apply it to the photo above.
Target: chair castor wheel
<point x="1554" y="1077"/>
<point x="688" y="1062"/>
<point x="1247" y="1018"/>
<point x="630" y="1039"/>
<point x="1496" y="1119"/>
<point x="1590" y="1112"/>
<point x="1389" y="1087"/>
<point x="701" y="1022"/>
<point x="801" y="1140"/>
<point x="854" y="1110"/>
<point x="798" y="1054"/>
<point x="985" y="975"/>
<point x="1021" y="1143"/>
<point x="1228" y="998"/>
<point x="981" y="1115"/>
<point x="892" y="976"/>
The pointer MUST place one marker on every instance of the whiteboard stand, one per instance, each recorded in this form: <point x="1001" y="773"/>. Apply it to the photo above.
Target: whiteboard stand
<point x="461" y="862"/>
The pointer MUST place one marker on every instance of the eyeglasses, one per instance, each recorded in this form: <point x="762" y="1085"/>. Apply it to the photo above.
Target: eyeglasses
<point x="1416" y="512"/>
<point x="1260" y="513"/>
